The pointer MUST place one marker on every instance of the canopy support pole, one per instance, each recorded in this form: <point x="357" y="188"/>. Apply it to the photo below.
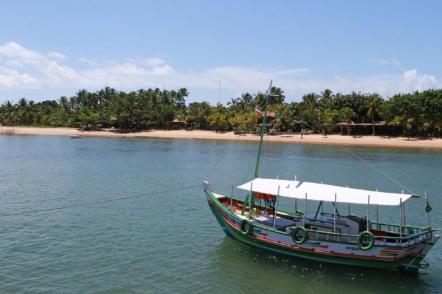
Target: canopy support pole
<point x="368" y="213"/>
<point x="317" y="210"/>
<point x="250" y="200"/>
<point x="377" y="215"/>
<point x="231" y="194"/>
<point x="305" y="210"/>
<point x="400" y="228"/>
<point x="274" y="210"/>
<point x="296" y="205"/>
<point x="334" y="215"/>
<point x="348" y="207"/>
<point x="403" y="213"/>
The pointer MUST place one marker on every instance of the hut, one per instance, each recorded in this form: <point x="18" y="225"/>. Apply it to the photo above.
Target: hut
<point x="270" y="119"/>
<point x="362" y="128"/>
<point x="177" y="124"/>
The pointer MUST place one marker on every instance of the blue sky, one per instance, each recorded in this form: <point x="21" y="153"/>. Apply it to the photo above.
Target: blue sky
<point x="53" y="48"/>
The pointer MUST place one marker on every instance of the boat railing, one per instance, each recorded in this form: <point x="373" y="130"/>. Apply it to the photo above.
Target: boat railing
<point x="406" y="240"/>
<point x="397" y="228"/>
<point x="403" y="241"/>
<point x="331" y="236"/>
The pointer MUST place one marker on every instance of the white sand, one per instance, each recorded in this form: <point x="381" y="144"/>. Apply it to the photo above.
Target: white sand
<point x="369" y="141"/>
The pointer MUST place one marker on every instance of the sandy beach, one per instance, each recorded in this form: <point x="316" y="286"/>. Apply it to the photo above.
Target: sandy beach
<point x="365" y="141"/>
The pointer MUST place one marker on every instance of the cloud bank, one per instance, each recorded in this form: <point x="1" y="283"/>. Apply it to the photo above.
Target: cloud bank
<point x="24" y="69"/>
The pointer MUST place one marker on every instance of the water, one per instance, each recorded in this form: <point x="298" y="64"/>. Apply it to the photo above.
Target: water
<point x="85" y="216"/>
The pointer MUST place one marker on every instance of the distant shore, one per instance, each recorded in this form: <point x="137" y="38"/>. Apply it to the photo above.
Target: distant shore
<point x="363" y="141"/>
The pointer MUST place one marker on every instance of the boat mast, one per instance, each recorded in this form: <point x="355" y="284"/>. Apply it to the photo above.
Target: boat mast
<point x="262" y="131"/>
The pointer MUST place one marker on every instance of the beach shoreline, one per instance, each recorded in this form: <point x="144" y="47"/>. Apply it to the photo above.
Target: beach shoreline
<point x="316" y="139"/>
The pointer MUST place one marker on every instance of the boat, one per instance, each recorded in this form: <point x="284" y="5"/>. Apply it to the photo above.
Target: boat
<point x="76" y="136"/>
<point x="325" y="236"/>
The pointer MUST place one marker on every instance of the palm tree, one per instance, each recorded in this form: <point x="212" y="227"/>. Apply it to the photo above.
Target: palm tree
<point x="311" y="107"/>
<point x="197" y="113"/>
<point x="346" y="114"/>
<point x="326" y="99"/>
<point x="373" y="103"/>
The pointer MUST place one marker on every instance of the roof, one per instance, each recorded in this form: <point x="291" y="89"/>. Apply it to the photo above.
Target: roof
<point x="323" y="192"/>
<point x="271" y="114"/>
<point x="380" y="123"/>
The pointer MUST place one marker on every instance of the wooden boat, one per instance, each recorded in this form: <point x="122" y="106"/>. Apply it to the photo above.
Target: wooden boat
<point x="331" y="237"/>
<point x="76" y="136"/>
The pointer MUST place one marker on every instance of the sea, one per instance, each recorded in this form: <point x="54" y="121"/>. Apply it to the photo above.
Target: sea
<point x="109" y="215"/>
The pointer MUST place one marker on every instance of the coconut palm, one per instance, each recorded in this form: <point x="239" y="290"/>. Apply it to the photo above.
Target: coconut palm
<point x="374" y="102"/>
<point x="310" y="104"/>
<point x="346" y="114"/>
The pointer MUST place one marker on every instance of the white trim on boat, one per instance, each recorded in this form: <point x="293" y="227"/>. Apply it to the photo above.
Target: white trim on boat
<point x="323" y="192"/>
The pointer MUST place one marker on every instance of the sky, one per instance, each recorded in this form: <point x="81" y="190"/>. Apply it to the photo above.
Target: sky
<point x="218" y="49"/>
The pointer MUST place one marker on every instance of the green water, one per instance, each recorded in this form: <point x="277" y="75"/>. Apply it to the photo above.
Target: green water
<point x="85" y="216"/>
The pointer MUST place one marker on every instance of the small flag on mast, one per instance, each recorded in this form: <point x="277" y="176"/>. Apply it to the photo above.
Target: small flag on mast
<point x="428" y="207"/>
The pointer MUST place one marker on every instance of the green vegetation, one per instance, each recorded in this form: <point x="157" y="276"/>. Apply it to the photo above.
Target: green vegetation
<point x="412" y="114"/>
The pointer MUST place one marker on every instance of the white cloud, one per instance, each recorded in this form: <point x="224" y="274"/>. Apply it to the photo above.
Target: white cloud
<point x="154" y="61"/>
<point x="413" y="81"/>
<point x="12" y="79"/>
<point x="393" y="61"/>
<point x="22" y="68"/>
<point x="13" y="51"/>
<point x="56" y="55"/>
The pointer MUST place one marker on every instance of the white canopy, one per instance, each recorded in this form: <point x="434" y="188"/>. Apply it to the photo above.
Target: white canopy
<point x="323" y="192"/>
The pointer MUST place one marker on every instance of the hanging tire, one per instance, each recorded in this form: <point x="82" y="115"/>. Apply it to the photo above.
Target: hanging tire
<point x="366" y="240"/>
<point x="246" y="227"/>
<point x="299" y="235"/>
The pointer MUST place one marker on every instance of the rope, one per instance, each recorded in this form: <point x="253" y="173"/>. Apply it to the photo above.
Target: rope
<point x="219" y="161"/>
<point x="28" y="212"/>
<point x="99" y="202"/>
<point x="354" y="155"/>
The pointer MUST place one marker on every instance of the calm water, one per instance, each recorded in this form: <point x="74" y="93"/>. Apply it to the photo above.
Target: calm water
<point x="99" y="215"/>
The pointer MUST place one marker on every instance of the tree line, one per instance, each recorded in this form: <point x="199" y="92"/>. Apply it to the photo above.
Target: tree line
<point x="410" y="114"/>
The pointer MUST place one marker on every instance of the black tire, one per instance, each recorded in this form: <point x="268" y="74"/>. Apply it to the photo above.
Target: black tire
<point x="246" y="227"/>
<point x="366" y="240"/>
<point x="299" y="235"/>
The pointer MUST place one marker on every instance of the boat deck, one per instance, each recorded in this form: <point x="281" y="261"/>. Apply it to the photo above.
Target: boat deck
<point x="326" y="227"/>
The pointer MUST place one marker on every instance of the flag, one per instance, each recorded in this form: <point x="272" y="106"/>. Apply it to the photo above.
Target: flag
<point x="259" y="112"/>
<point x="270" y="114"/>
<point x="428" y="207"/>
